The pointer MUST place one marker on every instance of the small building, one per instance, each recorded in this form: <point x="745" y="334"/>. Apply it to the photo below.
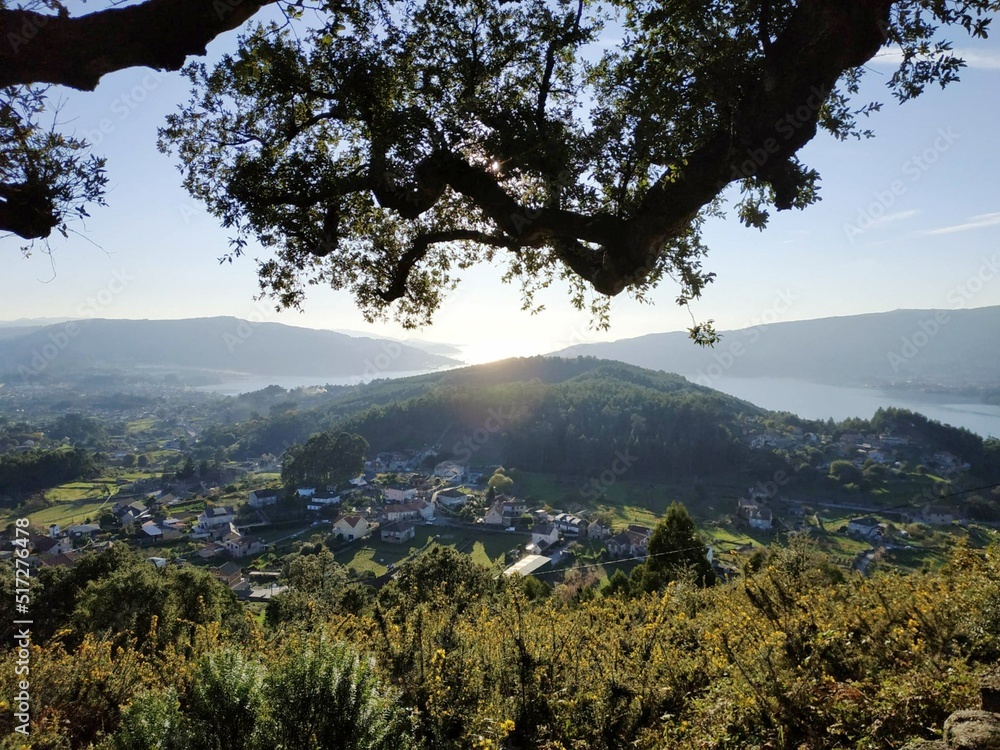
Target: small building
<point x="633" y="542"/>
<point x="350" y="527"/>
<point x="544" y="535"/>
<point x="450" y="498"/>
<point x="400" y="493"/>
<point x="398" y="532"/>
<point x="937" y="515"/>
<point x="505" y="511"/>
<point x="570" y="524"/>
<point x="79" y="531"/>
<point x="599" y="530"/>
<point x="262" y="498"/>
<point x="866" y="526"/>
<point x="229" y="573"/>
<point x="761" y="518"/>
<point x="450" y="471"/>
<point x="213" y="518"/>
<point x="528" y="565"/>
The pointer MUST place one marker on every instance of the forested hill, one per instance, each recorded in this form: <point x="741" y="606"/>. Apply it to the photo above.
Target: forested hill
<point x="934" y="347"/>
<point x="541" y="414"/>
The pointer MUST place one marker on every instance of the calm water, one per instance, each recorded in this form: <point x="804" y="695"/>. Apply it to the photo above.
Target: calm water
<point x="290" y="382"/>
<point x="815" y="401"/>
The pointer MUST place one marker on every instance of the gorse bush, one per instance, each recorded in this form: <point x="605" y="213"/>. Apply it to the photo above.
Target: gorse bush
<point x="793" y="654"/>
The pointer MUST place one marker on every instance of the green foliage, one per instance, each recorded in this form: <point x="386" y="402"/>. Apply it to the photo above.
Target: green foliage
<point x="328" y="697"/>
<point x="500" y="483"/>
<point x="38" y="470"/>
<point x="845" y="472"/>
<point x="153" y="721"/>
<point x="326" y="460"/>
<point x="46" y="178"/>
<point x="345" y="146"/>
<point x="225" y="702"/>
<point x="676" y="549"/>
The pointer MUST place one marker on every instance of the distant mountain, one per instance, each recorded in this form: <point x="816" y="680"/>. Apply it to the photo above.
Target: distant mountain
<point x="434" y="347"/>
<point x="222" y="345"/>
<point x="926" y="348"/>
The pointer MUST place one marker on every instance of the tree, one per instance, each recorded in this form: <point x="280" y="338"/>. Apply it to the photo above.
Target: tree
<point x="324" y="460"/>
<point x="676" y="547"/>
<point x="386" y="152"/>
<point x="844" y="472"/>
<point x="500" y="482"/>
<point x="46" y="176"/>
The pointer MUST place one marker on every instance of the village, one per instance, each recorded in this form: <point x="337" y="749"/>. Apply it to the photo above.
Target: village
<point x="393" y="510"/>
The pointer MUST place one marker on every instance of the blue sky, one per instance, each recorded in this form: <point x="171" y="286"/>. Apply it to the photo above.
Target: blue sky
<point x="909" y="219"/>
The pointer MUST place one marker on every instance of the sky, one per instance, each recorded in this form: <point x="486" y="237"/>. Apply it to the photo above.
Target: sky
<point x="909" y="219"/>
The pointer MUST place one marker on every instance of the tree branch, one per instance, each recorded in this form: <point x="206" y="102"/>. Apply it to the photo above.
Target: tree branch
<point x="420" y="247"/>
<point x="78" y="51"/>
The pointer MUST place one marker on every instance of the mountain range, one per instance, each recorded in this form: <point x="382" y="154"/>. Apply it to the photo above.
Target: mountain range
<point x="923" y="348"/>
<point x="219" y="345"/>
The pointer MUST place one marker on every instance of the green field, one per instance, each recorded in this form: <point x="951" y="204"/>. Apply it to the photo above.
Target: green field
<point x="81" y="491"/>
<point x="485" y="547"/>
<point x="71" y="503"/>
<point x="63" y="513"/>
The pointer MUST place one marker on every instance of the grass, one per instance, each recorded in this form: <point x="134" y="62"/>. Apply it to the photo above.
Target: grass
<point x="64" y="513"/>
<point x="81" y="491"/>
<point x="139" y="425"/>
<point x="484" y="547"/>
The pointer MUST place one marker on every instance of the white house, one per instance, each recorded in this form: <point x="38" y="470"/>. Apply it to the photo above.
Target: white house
<point x="83" y="529"/>
<point x="450" y="471"/>
<point x="544" y="535"/>
<point x="399" y="493"/>
<point x="306" y="491"/>
<point x="213" y="518"/>
<point x="324" y="499"/>
<point x="350" y="527"/>
<point x="570" y="524"/>
<point x="450" y="498"/>
<point x="505" y="511"/>
<point x="239" y="545"/>
<point x="866" y="526"/>
<point x="262" y="498"/>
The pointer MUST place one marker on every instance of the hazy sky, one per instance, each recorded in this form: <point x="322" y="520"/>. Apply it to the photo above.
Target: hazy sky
<point x="909" y="219"/>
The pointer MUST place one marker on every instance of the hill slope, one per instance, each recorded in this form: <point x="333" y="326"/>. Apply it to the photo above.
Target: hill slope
<point x="953" y="348"/>
<point x="220" y="344"/>
<point x="540" y="414"/>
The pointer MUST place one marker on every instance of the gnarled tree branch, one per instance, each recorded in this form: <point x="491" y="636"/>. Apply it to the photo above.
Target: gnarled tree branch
<point x="77" y="51"/>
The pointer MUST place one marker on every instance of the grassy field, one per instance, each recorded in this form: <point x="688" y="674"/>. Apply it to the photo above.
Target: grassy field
<point x="64" y="513"/>
<point x="485" y="547"/>
<point x="81" y="491"/>
<point x="72" y="503"/>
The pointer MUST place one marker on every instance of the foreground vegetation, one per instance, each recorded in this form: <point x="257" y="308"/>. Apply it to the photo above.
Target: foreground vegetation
<point x="790" y="654"/>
